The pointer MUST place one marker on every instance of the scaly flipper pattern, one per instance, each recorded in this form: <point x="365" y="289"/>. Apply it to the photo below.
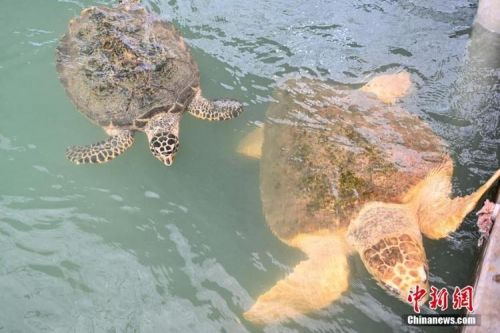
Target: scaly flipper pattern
<point x="103" y="151"/>
<point x="221" y="109"/>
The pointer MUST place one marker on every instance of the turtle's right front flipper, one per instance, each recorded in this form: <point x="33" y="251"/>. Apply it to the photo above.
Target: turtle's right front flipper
<point x="103" y="151"/>
<point x="314" y="283"/>
<point x="221" y="109"/>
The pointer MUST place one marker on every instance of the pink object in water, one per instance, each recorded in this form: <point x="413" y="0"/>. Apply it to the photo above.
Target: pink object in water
<point x="486" y="217"/>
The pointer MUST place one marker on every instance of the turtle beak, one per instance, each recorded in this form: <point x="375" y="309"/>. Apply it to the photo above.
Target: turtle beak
<point x="169" y="160"/>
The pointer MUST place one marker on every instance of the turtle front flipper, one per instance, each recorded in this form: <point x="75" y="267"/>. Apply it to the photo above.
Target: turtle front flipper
<point x="103" y="151"/>
<point x="220" y="109"/>
<point x="438" y="214"/>
<point x="314" y="283"/>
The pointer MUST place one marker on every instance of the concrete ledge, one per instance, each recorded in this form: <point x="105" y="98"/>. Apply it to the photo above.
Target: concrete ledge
<point x="487" y="288"/>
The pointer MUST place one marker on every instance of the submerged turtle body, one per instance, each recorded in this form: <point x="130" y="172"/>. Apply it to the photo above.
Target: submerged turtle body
<point x="328" y="151"/>
<point x="128" y="70"/>
<point x="345" y="171"/>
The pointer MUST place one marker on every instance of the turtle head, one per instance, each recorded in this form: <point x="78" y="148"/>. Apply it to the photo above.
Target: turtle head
<point x="399" y="265"/>
<point x="163" y="135"/>
<point x="164" y="145"/>
<point x="388" y="240"/>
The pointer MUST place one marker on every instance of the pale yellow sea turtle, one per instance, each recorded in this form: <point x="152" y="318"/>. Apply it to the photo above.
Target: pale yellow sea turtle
<point x="345" y="171"/>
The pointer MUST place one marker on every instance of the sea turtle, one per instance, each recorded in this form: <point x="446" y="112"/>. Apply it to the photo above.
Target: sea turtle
<point x="343" y="172"/>
<point x="128" y="70"/>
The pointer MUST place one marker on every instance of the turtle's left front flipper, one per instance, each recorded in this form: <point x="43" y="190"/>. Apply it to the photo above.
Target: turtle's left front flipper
<point x="439" y="215"/>
<point x="221" y="109"/>
<point x="314" y="283"/>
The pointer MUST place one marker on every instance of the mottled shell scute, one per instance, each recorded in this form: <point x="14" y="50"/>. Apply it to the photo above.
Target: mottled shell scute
<point x="122" y="64"/>
<point x="328" y="151"/>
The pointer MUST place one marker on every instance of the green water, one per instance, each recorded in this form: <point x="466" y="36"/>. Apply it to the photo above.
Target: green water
<point x="134" y="246"/>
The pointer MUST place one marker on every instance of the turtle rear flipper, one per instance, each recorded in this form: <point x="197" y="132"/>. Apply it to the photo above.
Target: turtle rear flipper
<point x="313" y="284"/>
<point x="220" y="109"/>
<point x="389" y="88"/>
<point x="251" y="145"/>
<point x="103" y="151"/>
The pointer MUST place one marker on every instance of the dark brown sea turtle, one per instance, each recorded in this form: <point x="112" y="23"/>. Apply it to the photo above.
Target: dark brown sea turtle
<point x="128" y="70"/>
<point x="343" y="172"/>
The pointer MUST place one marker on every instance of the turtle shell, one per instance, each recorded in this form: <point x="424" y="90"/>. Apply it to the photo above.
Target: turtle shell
<point x="123" y="64"/>
<point x="328" y="151"/>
